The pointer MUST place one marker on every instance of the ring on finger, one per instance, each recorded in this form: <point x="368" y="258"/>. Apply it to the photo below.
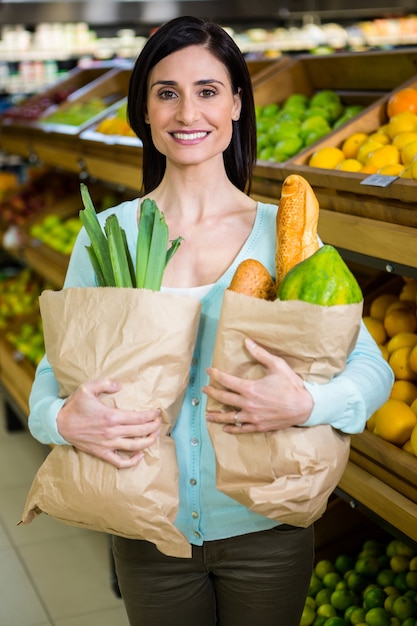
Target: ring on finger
<point x="236" y="418"/>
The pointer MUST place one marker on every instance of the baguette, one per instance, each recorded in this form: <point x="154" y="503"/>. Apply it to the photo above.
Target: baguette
<point x="296" y="224"/>
<point x="253" y="279"/>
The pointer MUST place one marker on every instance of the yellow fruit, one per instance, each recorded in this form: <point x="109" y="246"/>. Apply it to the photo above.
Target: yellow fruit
<point x="400" y="364"/>
<point x="405" y="122"/>
<point x="404" y="390"/>
<point x="401" y="340"/>
<point x="399" y="320"/>
<point x="407" y="447"/>
<point x="400" y="304"/>
<point x="368" y="146"/>
<point x="409" y="153"/>
<point x="369" y="169"/>
<point x="413" y="359"/>
<point x="386" y="155"/>
<point x="409" y="291"/>
<point x="413" y="169"/>
<point x="394" y="422"/>
<point x="403" y="139"/>
<point x="352" y="144"/>
<point x="413" y="440"/>
<point x="406" y="173"/>
<point x="349" y="165"/>
<point x="384" y="351"/>
<point x="380" y="137"/>
<point x="413" y="406"/>
<point x="328" y="158"/>
<point x="370" y="423"/>
<point x="376" y="329"/>
<point x="380" y="304"/>
<point x="393" y="169"/>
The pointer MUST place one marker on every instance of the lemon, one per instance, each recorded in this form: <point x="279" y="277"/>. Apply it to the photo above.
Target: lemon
<point x="404" y="122"/>
<point x="404" y="390"/>
<point x="376" y="329"/>
<point x="385" y="155"/>
<point x="328" y="158"/>
<point x="370" y="145"/>
<point x="384" y="351"/>
<point x="413" y="406"/>
<point x="413" y="440"/>
<point x="400" y="319"/>
<point x="380" y="304"/>
<point x="407" y="447"/>
<point x="380" y="136"/>
<point x="349" y="165"/>
<point x="352" y="144"/>
<point x="409" y="291"/>
<point x="392" y="169"/>
<point x="413" y="169"/>
<point x="402" y="340"/>
<point x="409" y="153"/>
<point x="401" y="365"/>
<point x="403" y="139"/>
<point x="413" y="359"/>
<point x="394" y="421"/>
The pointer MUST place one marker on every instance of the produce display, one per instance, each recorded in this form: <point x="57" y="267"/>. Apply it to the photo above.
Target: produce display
<point x="28" y="341"/>
<point x="56" y="232"/>
<point x="33" y="108"/>
<point x="19" y="296"/>
<point x="392" y="321"/>
<point x="390" y="150"/>
<point x="116" y="124"/>
<point x="377" y="586"/>
<point x="285" y="129"/>
<point x="77" y="113"/>
<point x="40" y="193"/>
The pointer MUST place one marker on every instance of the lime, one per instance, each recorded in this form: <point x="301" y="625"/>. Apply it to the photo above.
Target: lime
<point x="385" y="577"/>
<point x="357" y="582"/>
<point x="374" y="597"/>
<point x="311" y="602"/>
<point x="403" y="549"/>
<point x="400" y="582"/>
<point x="404" y="607"/>
<point x="336" y="621"/>
<point x="409" y="621"/>
<point x="323" y="567"/>
<point x="308" y="616"/>
<point x="368" y="565"/>
<point x="389" y="602"/>
<point x="399" y="563"/>
<point x="331" y="579"/>
<point x="341" y="599"/>
<point x="323" y="597"/>
<point x="351" y="609"/>
<point x="372" y="547"/>
<point x="319" y="621"/>
<point x="378" y="617"/>
<point x="326" y="610"/>
<point x="315" y="586"/>
<point x="343" y="563"/>
<point x="411" y="579"/>
<point x="358" y="616"/>
<point x="342" y="584"/>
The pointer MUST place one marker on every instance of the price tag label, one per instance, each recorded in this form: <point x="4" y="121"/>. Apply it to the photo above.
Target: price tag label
<point x="379" y="180"/>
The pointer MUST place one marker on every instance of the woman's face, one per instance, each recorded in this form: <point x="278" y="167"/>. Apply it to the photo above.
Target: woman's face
<point x="190" y="106"/>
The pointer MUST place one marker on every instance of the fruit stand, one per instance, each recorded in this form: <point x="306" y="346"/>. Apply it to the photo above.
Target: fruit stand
<point x="373" y="226"/>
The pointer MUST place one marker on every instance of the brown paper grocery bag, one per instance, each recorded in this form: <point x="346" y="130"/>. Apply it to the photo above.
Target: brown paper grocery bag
<point x="145" y="340"/>
<point x="285" y="475"/>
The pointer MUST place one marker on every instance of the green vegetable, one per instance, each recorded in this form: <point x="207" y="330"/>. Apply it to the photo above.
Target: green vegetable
<point x="323" y="278"/>
<point x="110" y="255"/>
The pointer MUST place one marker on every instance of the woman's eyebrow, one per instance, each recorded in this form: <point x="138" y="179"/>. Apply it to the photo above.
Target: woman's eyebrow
<point x="172" y="83"/>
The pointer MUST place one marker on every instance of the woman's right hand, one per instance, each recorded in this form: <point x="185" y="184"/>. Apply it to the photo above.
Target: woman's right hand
<point x="114" y="435"/>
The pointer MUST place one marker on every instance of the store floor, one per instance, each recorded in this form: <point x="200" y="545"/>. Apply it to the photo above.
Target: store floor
<point x="50" y="574"/>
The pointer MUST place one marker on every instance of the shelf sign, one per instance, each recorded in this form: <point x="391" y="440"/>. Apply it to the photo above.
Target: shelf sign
<point x="379" y="180"/>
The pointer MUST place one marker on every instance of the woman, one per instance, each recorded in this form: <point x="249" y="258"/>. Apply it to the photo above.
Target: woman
<point x="190" y="102"/>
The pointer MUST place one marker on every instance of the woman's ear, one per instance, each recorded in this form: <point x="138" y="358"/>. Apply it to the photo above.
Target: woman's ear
<point x="146" y="117"/>
<point x="237" y="105"/>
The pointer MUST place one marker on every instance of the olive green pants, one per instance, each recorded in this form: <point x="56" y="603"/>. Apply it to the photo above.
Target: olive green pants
<point x="258" y="579"/>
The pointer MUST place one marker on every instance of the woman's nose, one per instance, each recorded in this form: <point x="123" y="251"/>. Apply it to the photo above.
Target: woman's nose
<point x="188" y="111"/>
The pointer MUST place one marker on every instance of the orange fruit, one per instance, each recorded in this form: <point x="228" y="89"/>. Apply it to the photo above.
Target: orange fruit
<point x="409" y="152"/>
<point x="386" y="155"/>
<point x="400" y="363"/>
<point x="399" y="320"/>
<point x="403" y="139"/>
<point x="404" y="122"/>
<point x="352" y="144"/>
<point x="376" y="329"/>
<point x="328" y="158"/>
<point x="404" y="390"/>
<point x="401" y="340"/>
<point x="413" y="359"/>
<point x="392" y="169"/>
<point x="403" y="100"/>
<point x="394" y="421"/>
<point x="349" y="165"/>
<point x="380" y="304"/>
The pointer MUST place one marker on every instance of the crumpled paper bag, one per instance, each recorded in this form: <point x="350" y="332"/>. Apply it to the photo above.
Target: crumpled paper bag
<point x="286" y="475"/>
<point x="145" y="340"/>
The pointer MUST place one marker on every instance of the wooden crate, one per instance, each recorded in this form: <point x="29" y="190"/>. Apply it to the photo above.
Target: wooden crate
<point x="15" y="133"/>
<point x="403" y="190"/>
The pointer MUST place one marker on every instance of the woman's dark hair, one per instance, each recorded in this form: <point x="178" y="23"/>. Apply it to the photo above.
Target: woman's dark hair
<point x="239" y="157"/>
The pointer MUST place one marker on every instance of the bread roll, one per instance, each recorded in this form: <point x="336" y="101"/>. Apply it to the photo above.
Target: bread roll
<point x="253" y="279"/>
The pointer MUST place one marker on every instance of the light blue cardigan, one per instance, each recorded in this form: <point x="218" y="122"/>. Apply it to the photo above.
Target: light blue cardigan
<point x="204" y="513"/>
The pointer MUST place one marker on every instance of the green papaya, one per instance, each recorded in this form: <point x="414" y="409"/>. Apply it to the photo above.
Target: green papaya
<point x="323" y="278"/>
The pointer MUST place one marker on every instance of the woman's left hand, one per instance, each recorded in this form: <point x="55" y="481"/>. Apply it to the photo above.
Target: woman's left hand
<point x="274" y="402"/>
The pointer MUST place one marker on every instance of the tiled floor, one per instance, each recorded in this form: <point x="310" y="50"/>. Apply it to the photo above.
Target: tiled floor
<point x="50" y="574"/>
